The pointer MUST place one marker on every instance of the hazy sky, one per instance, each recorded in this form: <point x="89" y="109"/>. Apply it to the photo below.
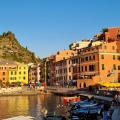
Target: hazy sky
<point x="47" y="26"/>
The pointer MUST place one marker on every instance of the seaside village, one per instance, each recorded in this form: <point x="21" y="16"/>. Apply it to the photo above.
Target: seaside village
<point x="86" y="63"/>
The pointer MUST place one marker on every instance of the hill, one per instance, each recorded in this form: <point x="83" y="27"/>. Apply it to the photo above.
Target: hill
<point x="11" y="50"/>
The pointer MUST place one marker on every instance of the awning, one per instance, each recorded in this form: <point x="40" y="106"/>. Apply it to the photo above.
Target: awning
<point x="108" y="84"/>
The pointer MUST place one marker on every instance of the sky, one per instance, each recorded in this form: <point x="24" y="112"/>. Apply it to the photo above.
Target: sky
<point x="47" y="26"/>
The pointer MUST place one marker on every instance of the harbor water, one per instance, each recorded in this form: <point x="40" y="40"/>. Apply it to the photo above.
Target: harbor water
<point x="31" y="105"/>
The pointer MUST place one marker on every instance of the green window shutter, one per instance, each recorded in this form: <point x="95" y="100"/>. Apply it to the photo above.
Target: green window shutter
<point x="102" y="56"/>
<point x="118" y="67"/>
<point x="114" y="67"/>
<point x="113" y="57"/>
<point x="103" y="67"/>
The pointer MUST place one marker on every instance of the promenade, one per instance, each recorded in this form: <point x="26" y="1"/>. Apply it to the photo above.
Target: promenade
<point x="21" y="91"/>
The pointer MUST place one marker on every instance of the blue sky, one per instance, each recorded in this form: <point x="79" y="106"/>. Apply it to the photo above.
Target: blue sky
<point x="47" y="26"/>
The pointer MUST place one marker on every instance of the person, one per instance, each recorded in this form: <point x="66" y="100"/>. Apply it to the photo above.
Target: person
<point x="115" y="99"/>
<point x="118" y="99"/>
<point x="101" y="112"/>
<point x="106" y="114"/>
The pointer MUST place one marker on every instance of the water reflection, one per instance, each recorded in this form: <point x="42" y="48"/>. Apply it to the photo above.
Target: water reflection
<point x="12" y="106"/>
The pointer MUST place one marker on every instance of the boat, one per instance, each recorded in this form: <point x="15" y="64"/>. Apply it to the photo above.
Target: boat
<point x="86" y="106"/>
<point x="20" y="118"/>
<point x="68" y="99"/>
<point x="95" y="108"/>
<point x="82" y="102"/>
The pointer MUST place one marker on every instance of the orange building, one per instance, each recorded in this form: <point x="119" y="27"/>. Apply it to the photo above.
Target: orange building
<point x="48" y="65"/>
<point x="109" y="34"/>
<point x="99" y="64"/>
<point x="4" y="70"/>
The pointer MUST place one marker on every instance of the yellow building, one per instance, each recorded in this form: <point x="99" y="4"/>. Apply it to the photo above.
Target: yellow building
<point x="20" y="74"/>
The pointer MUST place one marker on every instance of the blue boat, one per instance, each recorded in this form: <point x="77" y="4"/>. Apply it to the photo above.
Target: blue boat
<point x="82" y="102"/>
<point x="85" y="109"/>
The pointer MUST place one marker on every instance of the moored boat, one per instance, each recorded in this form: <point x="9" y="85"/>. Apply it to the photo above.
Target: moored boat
<point x="72" y="99"/>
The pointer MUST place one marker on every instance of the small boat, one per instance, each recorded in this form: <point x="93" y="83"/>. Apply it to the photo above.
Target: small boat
<point x="87" y="106"/>
<point x="92" y="105"/>
<point x="95" y="108"/>
<point x="72" y="99"/>
<point x="82" y="102"/>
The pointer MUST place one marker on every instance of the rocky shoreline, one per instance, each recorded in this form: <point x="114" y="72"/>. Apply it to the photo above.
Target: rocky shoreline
<point x="23" y="92"/>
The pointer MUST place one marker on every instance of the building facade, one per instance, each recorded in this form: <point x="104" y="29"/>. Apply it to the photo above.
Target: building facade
<point x="20" y="74"/>
<point x="4" y="70"/>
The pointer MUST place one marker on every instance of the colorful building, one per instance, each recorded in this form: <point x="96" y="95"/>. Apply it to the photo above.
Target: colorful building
<point x="99" y="64"/>
<point x="20" y="74"/>
<point x="4" y="70"/>
<point x="98" y="60"/>
<point x="48" y="68"/>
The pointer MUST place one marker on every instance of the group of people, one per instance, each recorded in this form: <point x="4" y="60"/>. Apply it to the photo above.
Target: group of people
<point x="116" y="99"/>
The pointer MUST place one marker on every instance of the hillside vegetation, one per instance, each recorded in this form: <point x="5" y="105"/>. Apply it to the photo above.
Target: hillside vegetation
<point x="11" y="50"/>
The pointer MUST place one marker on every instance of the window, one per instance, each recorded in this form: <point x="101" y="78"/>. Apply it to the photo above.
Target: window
<point x="69" y="69"/>
<point x="89" y="57"/>
<point x="82" y="68"/>
<point x="86" y="58"/>
<point x="19" y="72"/>
<point x="3" y="73"/>
<point x="118" y="67"/>
<point x="3" y="68"/>
<point x="77" y="45"/>
<point x="15" y="73"/>
<point x="82" y="59"/>
<point x="113" y="47"/>
<point x="91" y="67"/>
<point x="113" y="57"/>
<point x="24" y="78"/>
<point x="24" y="72"/>
<point x="102" y="56"/>
<point x="11" y="72"/>
<point x="105" y="47"/>
<point x="78" y="69"/>
<point x="85" y="68"/>
<point x="69" y="77"/>
<point x="19" y="67"/>
<point x="114" y="66"/>
<point x="93" y="57"/>
<point x="103" y="67"/>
